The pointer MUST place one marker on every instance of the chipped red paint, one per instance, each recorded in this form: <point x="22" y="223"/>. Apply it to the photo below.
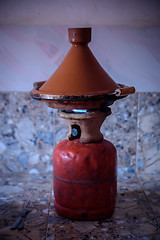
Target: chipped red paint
<point x="85" y="184"/>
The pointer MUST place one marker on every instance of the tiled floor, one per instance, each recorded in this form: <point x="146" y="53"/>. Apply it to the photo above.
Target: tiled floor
<point x="137" y="213"/>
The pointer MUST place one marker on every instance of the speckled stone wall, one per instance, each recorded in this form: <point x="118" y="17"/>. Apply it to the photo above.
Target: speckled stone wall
<point x="26" y="134"/>
<point x="29" y="130"/>
<point x="148" y="133"/>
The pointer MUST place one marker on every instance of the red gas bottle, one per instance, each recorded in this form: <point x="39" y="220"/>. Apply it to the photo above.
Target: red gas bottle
<point x="85" y="163"/>
<point x="85" y="184"/>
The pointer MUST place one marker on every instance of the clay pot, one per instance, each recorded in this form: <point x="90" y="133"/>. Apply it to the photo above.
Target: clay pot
<point x="79" y="82"/>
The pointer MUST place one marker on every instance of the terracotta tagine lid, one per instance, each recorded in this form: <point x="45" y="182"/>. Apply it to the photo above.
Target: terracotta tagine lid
<point x="79" y="77"/>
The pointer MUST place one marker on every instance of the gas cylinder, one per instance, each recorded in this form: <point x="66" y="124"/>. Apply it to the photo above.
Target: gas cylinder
<point x="84" y="165"/>
<point x="85" y="184"/>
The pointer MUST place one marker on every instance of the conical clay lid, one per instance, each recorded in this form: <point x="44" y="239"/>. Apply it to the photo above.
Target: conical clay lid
<point x="79" y="73"/>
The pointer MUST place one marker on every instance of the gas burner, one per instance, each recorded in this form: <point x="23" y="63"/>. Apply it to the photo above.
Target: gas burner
<point x="84" y="164"/>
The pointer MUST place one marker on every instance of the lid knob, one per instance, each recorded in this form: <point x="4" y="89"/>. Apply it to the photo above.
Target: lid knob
<point x="79" y="35"/>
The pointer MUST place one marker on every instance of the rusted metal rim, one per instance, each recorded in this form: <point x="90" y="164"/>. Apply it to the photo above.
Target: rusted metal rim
<point x="39" y="95"/>
<point x="60" y="98"/>
<point x="89" y="101"/>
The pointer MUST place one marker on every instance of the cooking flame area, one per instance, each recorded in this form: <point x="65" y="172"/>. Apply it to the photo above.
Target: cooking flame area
<point x="80" y="111"/>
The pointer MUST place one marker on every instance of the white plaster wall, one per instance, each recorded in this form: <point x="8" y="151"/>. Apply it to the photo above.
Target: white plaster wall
<point x="125" y="40"/>
<point x="81" y="12"/>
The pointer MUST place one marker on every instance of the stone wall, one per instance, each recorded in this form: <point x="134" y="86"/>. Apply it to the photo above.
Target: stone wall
<point x="29" y="130"/>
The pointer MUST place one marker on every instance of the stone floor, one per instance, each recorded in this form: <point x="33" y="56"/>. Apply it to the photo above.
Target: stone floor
<point x="137" y="213"/>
